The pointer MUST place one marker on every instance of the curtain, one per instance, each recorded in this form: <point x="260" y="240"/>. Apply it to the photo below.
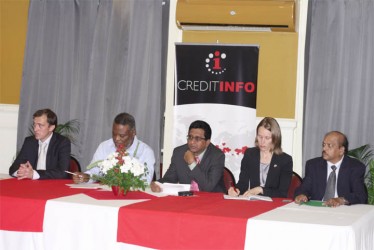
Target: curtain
<point x="339" y="73"/>
<point x="92" y="59"/>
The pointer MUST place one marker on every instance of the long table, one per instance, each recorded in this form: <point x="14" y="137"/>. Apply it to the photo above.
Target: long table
<point x="92" y="219"/>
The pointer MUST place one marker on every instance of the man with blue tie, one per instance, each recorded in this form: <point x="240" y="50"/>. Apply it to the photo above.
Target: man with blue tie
<point x="334" y="178"/>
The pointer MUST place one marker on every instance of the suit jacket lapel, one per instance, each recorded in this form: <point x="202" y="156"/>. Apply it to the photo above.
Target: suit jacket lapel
<point x="322" y="174"/>
<point x="51" y="146"/>
<point x="255" y="177"/>
<point x="206" y="156"/>
<point x="34" y="153"/>
<point x="341" y="174"/>
<point x="273" y="164"/>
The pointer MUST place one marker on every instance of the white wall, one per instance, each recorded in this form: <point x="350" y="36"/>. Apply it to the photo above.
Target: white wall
<point x="8" y="135"/>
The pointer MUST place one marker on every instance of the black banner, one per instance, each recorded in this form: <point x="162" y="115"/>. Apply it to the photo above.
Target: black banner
<point x="222" y="74"/>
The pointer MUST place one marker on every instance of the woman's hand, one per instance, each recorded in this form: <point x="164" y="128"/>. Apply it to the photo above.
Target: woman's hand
<point x="233" y="191"/>
<point x="254" y="191"/>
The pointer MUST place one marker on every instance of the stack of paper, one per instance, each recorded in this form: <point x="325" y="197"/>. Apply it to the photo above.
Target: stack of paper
<point x="172" y="188"/>
<point x="248" y="198"/>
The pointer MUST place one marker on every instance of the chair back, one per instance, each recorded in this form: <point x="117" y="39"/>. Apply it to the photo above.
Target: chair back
<point x="228" y="178"/>
<point x="296" y="181"/>
<point x="74" y="165"/>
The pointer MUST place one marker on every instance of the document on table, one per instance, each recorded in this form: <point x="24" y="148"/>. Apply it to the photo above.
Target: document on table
<point x="249" y="198"/>
<point x="86" y="185"/>
<point x="173" y="188"/>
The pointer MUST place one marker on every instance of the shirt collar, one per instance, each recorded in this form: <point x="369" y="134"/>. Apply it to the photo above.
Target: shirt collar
<point x="201" y="155"/>
<point x="337" y="165"/>
<point x="47" y="140"/>
<point x="133" y="146"/>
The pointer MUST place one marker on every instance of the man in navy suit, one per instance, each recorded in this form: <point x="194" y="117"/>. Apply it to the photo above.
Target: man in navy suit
<point x="198" y="162"/>
<point x="349" y="184"/>
<point x="45" y="155"/>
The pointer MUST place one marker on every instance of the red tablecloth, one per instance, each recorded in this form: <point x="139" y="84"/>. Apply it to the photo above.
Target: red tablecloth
<point x="205" y="221"/>
<point x="108" y="195"/>
<point x="22" y="202"/>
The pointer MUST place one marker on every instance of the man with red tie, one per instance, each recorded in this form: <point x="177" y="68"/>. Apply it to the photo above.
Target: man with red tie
<point x="198" y="162"/>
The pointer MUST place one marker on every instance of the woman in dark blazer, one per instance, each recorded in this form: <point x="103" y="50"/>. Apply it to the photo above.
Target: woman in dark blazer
<point x="265" y="169"/>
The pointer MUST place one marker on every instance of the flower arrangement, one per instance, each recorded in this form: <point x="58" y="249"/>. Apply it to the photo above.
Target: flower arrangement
<point x="121" y="170"/>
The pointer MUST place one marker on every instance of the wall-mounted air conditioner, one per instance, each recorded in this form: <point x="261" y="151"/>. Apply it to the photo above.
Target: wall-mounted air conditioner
<point x="271" y="15"/>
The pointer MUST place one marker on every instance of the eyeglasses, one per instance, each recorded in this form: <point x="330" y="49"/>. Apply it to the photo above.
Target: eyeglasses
<point x="329" y="145"/>
<point x="195" y="138"/>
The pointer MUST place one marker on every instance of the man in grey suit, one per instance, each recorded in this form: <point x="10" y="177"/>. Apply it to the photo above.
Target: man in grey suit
<point x="347" y="182"/>
<point x="196" y="162"/>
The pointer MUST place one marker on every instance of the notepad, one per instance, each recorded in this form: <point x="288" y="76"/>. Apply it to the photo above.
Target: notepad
<point x="173" y="188"/>
<point x="248" y="198"/>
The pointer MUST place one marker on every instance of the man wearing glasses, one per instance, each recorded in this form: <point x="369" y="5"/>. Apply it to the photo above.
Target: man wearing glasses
<point x="198" y="162"/>
<point x="334" y="178"/>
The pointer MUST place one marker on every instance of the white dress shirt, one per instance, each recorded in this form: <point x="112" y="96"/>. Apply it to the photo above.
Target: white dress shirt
<point x="142" y="152"/>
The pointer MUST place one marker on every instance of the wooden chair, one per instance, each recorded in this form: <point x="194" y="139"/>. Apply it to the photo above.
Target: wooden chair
<point x="74" y="165"/>
<point x="295" y="182"/>
<point x="228" y="178"/>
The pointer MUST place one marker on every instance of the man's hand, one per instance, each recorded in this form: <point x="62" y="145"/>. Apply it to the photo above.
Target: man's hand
<point x="80" y="177"/>
<point x="189" y="157"/>
<point x="335" y="202"/>
<point x="25" y="171"/>
<point x="155" y="188"/>
<point x="301" y="198"/>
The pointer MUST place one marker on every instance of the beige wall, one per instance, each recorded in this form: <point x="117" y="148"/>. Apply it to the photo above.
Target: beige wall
<point x="13" y="26"/>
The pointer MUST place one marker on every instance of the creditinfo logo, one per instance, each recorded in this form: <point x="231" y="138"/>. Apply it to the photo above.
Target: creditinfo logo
<point x="214" y="61"/>
<point x="216" y="74"/>
<point x="215" y="64"/>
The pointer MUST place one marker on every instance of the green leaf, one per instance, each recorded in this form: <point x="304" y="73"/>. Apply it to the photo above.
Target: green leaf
<point x="365" y="154"/>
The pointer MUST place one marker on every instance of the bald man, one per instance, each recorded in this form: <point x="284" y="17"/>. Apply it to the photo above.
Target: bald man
<point x="349" y="187"/>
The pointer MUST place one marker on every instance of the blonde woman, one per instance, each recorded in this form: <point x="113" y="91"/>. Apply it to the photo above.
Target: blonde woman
<point x="265" y="169"/>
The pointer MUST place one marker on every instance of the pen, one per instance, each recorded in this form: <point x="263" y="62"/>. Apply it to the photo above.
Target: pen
<point x="233" y="186"/>
<point x="286" y="200"/>
<point x="70" y="172"/>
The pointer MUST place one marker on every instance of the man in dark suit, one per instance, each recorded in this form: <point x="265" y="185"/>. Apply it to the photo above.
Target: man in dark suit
<point x="348" y="187"/>
<point x="197" y="162"/>
<point x="46" y="155"/>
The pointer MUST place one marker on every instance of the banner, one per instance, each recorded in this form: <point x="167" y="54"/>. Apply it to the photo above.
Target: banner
<point x="217" y="84"/>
